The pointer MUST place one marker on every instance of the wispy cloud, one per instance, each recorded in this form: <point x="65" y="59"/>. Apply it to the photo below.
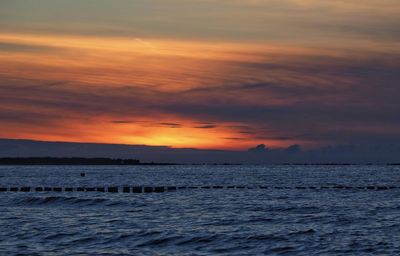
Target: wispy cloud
<point x="248" y="72"/>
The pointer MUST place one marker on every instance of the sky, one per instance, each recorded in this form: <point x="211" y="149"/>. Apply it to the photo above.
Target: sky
<point x="207" y="74"/>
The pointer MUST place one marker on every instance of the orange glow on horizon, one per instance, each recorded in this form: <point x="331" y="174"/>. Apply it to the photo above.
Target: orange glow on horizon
<point x="155" y="68"/>
<point x="146" y="133"/>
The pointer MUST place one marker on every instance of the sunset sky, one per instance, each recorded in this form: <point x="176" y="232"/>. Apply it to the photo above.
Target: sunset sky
<point x="212" y="74"/>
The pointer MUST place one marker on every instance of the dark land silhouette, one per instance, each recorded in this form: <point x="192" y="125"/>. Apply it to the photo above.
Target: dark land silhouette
<point x="71" y="161"/>
<point x="46" y="152"/>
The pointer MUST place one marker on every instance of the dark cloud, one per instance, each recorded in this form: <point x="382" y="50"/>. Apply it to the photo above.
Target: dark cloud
<point x="293" y="149"/>
<point x="258" y="149"/>
<point x="121" y="122"/>
<point x="247" y="132"/>
<point x="208" y="126"/>
<point x="172" y="125"/>
<point x="234" y="138"/>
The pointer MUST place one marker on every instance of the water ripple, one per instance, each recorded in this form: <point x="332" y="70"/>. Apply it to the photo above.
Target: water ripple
<point x="201" y="221"/>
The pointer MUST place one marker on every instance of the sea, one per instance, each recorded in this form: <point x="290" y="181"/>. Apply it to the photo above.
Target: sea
<point x="201" y="210"/>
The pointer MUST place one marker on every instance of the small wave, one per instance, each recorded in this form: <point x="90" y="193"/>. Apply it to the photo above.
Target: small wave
<point x="282" y="249"/>
<point x="160" y="241"/>
<point x="84" y="241"/>
<point x="199" y="240"/>
<point x="265" y="237"/>
<point x="61" y="200"/>
<point x="58" y="236"/>
<point x="303" y="232"/>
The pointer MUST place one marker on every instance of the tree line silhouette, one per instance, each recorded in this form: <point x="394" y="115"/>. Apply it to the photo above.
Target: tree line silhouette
<point x="68" y="161"/>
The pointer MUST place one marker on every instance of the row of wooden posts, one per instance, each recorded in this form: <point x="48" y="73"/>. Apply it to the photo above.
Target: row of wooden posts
<point x="160" y="189"/>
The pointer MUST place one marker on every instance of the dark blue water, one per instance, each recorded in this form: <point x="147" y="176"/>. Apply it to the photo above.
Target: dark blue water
<point x="250" y="221"/>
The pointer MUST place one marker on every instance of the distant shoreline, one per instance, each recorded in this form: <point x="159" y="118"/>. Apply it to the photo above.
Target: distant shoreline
<point x="72" y="161"/>
<point x="27" y="161"/>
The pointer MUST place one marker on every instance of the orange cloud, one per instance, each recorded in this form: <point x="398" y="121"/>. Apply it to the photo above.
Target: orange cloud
<point x="76" y="88"/>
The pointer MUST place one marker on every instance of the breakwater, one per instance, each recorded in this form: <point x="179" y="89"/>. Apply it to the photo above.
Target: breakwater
<point x="161" y="189"/>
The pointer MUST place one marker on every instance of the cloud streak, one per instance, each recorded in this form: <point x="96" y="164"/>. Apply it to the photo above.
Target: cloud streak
<point x="280" y="73"/>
